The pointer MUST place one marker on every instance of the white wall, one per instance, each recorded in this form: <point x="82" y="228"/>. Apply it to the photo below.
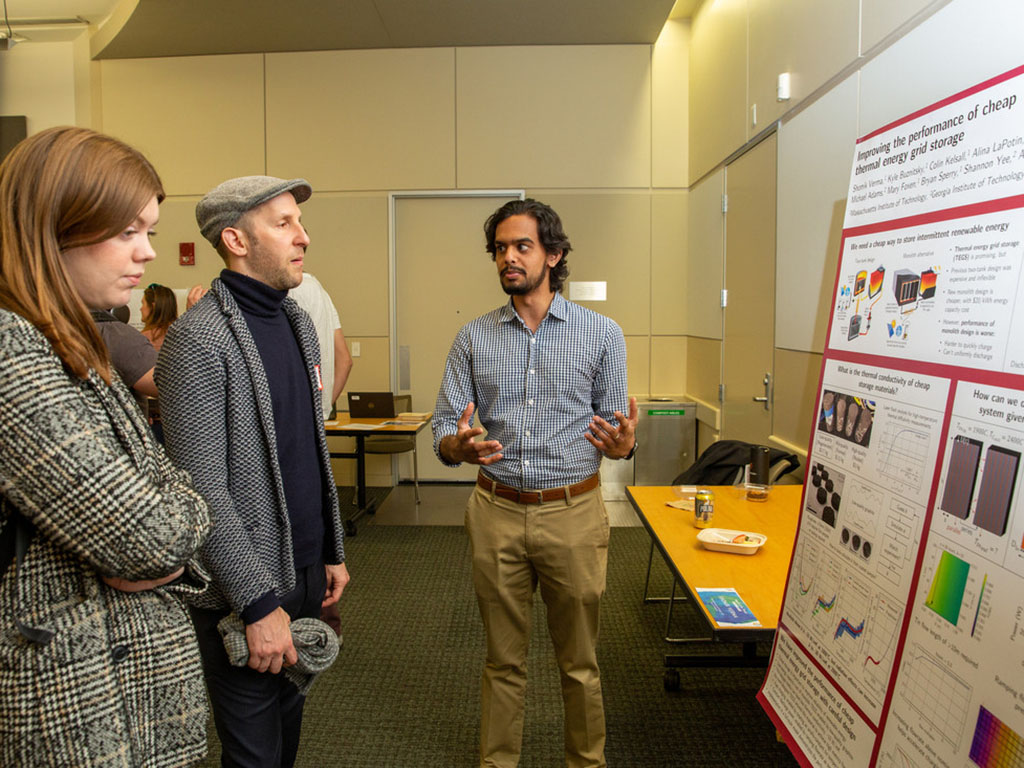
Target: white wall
<point x="964" y="43"/>
<point x="38" y="80"/>
<point x="813" y="175"/>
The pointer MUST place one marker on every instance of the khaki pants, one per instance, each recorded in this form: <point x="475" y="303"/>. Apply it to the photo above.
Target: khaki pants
<point x="563" y="546"/>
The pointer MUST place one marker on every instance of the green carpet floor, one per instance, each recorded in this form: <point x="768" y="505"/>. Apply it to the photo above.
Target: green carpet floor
<point x="404" y="691"/>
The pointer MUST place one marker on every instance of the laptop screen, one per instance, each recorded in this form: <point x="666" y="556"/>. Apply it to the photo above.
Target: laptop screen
<point x="367" y="405"/>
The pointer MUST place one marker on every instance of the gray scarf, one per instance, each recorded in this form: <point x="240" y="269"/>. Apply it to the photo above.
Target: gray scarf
<point x="315" y="643"/>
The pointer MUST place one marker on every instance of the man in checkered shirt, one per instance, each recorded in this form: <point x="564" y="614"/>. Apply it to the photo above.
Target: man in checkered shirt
<point x="547" y="379"/>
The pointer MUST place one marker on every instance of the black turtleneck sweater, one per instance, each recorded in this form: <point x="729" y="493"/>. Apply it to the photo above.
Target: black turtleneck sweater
<point x="292" y="397"/>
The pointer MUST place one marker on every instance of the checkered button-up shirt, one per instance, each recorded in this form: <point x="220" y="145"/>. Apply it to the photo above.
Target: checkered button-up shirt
<point x="535" y="393"/>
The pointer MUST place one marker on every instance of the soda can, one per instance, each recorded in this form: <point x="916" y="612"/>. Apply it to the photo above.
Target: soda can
<point x="703" y="508"/>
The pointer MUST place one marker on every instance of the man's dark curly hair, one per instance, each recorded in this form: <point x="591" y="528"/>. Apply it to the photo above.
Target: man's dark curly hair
<point x="549" y="229"/>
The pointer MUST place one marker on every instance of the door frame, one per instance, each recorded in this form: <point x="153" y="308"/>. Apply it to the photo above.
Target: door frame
<point x="393" y="259"/>
<point x="393" y="197"/>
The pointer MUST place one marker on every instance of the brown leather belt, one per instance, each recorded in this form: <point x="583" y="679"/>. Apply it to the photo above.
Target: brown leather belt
<point x="536" y="497"/>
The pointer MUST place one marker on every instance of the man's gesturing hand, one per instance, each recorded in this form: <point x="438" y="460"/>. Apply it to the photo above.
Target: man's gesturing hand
<point x="462" y="447"/>
<point x="270" y="642"/>
<point x="614" y="442"/>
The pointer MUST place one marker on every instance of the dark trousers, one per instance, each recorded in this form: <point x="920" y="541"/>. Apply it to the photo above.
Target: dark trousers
<point x="258" y="715"/>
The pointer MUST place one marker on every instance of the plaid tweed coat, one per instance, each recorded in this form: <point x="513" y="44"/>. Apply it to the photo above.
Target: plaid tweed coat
<point x="120" y="682"/>
<point x="218" y="423"/>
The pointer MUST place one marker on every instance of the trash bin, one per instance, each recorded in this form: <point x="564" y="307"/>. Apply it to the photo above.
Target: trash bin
<point x="668" y="441"/>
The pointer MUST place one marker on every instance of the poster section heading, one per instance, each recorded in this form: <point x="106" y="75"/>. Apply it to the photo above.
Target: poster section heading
<point x="943" y="292"/>
<point x="965" y="152"/>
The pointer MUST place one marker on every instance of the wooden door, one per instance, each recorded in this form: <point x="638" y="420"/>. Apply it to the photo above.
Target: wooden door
<point x="749" y="328"/>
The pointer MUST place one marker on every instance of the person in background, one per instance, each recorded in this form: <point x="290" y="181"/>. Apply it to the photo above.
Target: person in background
<point x="240" y="393"/>
<point x="335" y="359"/>
<point x="159" y="309"/>
<point x="195" y="293"/>
<point x="98" y="659"/>
<point x="548" y="380"/>
<point x="131" y="354"/>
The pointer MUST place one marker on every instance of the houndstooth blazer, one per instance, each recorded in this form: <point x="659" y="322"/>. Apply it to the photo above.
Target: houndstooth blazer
<point x="218" y="424"/>
<point x="120" y="682"/>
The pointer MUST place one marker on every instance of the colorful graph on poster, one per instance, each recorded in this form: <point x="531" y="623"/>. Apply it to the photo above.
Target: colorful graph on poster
<point x="821" y="603"/>
<point x="996" y="745"/>
<point x="845" y="627"/>
<point x="947" y="589"/>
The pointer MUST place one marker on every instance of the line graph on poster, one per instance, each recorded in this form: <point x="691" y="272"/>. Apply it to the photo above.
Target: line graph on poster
<point x="904" y="454"/>
<point x="880" y="642"/>
<point x="938" y="695"/>
<point x="897" y="757"/>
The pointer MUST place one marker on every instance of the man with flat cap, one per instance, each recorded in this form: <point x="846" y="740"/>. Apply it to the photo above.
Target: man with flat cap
<point x="240" y="396"/>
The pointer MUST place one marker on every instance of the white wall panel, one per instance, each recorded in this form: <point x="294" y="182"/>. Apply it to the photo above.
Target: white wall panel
<point x="964" y="43"/>
<point x="881" y="17"/>
<point x="199" y="119"/>
<point x="815" y="155"/>
<point x="670" y="107"/>
<point x="554" y="116"/>
<point x="38" y="81"/>
<point x="363" y="120"/>
<point x="705" y="256"/>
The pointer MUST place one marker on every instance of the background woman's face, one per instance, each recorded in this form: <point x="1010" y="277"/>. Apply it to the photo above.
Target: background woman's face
<point x="146" y="310"/>
<point x="104" y="274"/>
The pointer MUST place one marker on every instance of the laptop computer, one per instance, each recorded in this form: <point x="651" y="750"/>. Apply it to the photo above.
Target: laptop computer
<point x="369" y="405"/>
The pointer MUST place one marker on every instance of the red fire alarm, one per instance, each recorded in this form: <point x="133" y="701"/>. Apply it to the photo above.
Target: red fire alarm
<point x="187" y="254"/>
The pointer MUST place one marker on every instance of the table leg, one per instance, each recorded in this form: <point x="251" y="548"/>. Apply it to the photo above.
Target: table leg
<point x="673" y="662"/>
<point x="349" y="522"/>
<point x="361" y="472"/>
<point x="648" y="598"/>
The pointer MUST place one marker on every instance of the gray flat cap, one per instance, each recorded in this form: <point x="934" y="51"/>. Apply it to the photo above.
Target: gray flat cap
<point x="224" y="205"/>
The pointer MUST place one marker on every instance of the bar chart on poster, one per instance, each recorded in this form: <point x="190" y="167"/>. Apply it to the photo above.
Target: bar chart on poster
<point x="901" y="639"/>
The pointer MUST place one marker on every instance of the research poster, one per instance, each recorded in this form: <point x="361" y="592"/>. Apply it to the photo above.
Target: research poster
<point x="901" y="639"/>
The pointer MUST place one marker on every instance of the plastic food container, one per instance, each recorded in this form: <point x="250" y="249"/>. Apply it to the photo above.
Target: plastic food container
<point x="737" y="542"/>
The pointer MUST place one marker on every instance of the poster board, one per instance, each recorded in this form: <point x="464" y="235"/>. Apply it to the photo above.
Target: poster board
<point x="901" y="639"/>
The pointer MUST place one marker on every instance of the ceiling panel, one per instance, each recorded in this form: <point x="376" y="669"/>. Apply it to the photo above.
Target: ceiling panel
<point x="523" y="22"/>
<point x="195" y="27"/>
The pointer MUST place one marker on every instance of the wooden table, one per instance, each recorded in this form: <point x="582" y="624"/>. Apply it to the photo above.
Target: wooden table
<point x="345" y="426"/>
<point x="760" y="579"/>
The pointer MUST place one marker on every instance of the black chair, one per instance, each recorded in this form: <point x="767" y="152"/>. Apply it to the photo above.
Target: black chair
<point x="723" y="463"/>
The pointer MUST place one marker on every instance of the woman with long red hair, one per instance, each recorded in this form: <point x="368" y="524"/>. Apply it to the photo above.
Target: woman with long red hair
<point x="98" y="659"/>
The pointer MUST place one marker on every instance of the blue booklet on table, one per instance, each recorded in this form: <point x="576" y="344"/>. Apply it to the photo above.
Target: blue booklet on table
<point x="727" y="607"/>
